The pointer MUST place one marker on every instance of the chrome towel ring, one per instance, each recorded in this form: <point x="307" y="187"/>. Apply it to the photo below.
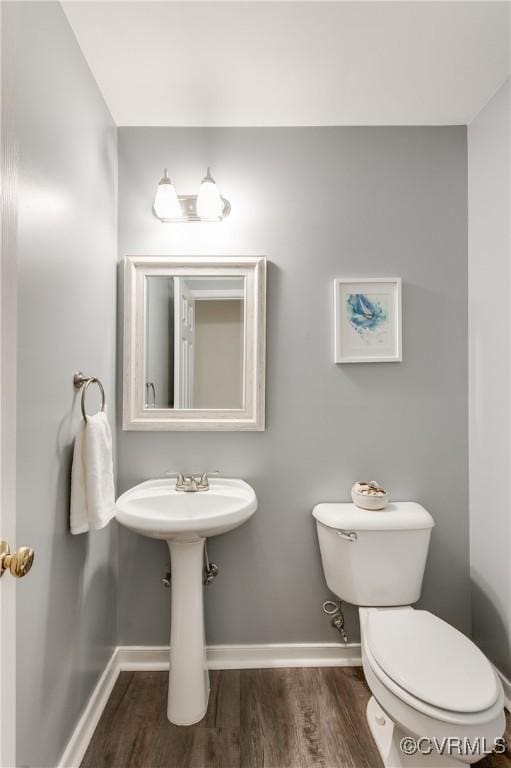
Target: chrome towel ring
<point x="81" y="381"/>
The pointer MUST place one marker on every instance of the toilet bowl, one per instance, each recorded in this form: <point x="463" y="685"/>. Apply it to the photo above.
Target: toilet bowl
<point x="447" y="700"/>
<point x="436" y="699"/>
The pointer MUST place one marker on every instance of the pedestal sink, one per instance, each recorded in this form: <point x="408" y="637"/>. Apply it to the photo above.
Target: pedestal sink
<point x="184" y="521"/>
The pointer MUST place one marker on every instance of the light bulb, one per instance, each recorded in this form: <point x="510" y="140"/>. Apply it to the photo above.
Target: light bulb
<point x="209" y="203"/>
<point x="166" y="205"/>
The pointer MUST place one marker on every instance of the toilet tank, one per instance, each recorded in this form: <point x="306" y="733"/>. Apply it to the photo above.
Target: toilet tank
<point x="374" y="558"/>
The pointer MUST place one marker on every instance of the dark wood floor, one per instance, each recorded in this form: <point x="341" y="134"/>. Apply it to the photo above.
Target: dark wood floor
<point x="257" y="718"/>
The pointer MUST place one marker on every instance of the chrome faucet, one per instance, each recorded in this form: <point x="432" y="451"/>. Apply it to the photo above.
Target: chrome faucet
<point x="192" y="483"/>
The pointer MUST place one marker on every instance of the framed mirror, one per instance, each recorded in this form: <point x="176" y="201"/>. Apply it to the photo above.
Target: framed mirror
<point x="194" y="343"/>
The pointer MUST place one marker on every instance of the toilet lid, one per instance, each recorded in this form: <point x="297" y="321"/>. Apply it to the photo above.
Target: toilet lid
<point x="431" y="660"/>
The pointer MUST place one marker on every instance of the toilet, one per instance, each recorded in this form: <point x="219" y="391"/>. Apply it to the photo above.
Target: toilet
<point x="436" y="699"/>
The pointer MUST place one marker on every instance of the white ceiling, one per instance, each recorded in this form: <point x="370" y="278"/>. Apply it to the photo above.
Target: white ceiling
<point x="294" y="63"/>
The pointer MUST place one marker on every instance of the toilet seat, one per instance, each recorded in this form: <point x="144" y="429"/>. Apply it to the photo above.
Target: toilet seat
<point x="422" y="708"/>
<point x="431" y="666"/>
<point x="431" y="660"/>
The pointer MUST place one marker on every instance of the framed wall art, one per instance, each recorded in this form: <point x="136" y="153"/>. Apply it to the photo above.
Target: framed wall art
<point x="367" y="320"/>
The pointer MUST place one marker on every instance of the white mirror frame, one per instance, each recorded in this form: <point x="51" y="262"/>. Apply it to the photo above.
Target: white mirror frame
<point x="252" y="415"/>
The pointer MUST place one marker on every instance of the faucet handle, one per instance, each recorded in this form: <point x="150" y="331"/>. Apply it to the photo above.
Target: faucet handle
<point x="192" y="481"/>
<point x="203" y="483"/>
<point x="209" y="473"/>
<point x="181" y="479"/>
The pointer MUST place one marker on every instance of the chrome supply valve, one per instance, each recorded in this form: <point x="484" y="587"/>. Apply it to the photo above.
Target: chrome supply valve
<point x="338" y="624"/>
<point x="210" y="569"/>
<point x="210" y="573"/>
<point x="334" y="609"/>
<point x="167" y="579"/>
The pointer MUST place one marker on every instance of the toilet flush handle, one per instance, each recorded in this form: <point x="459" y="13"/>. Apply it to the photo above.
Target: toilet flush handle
<point x="348" y="535"/>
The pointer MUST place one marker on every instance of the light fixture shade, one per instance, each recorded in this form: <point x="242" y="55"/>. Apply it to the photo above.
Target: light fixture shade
<point x="209" y="202"/>
<point x="166" y="204"/>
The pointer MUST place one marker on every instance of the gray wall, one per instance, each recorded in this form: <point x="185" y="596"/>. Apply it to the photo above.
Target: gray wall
<point x="67" y="178"/>
<point x="319" y="203"/>
<point x="489" y="201"/>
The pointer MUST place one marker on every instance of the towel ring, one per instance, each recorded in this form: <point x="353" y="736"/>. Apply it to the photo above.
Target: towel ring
<point x="79" y="380"/>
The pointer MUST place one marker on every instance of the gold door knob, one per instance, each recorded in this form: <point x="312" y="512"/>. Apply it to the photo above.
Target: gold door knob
<point x="19" y="563"/>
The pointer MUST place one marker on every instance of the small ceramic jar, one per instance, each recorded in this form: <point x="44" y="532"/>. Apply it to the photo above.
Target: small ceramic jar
<point x="369" y="495"/>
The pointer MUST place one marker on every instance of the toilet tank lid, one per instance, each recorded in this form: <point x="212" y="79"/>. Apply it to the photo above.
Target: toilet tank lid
<point x="398" y="516"/>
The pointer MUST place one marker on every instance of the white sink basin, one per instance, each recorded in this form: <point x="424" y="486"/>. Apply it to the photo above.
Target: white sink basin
<point x="184" y="520"/>
<point x="156" y="509"/>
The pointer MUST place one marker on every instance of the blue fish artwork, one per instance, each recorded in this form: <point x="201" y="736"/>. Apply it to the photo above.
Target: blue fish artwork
<point x="365" y="313"/>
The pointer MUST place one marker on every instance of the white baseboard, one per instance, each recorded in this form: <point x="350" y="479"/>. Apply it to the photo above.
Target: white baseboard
<point x="269" y="656"/>
<point x="86" y="725"/>
<point x="506" y="684"/>
<point x="146" y="658"/>
<point x="284" y="655"/>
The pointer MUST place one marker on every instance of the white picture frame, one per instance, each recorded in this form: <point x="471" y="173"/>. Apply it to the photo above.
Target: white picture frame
<point x="367" y="320"/>
<point x="136" y="415"/>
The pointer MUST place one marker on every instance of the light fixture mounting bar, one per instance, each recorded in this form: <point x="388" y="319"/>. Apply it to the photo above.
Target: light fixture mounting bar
<point x="189" y="215"/>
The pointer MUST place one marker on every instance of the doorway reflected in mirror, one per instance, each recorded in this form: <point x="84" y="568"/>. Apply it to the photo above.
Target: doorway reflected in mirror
<point x="195" y="341"/>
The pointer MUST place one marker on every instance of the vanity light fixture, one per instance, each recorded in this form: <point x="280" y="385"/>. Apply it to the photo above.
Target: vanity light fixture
<point x="166" y="205"/>
<point x="208" y="205"/>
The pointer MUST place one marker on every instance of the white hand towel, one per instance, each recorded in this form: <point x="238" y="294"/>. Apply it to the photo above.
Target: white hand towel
<point x="92" y="476"/>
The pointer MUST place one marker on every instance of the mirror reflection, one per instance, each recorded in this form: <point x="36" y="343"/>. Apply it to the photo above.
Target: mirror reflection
<point x="195" y="342"/>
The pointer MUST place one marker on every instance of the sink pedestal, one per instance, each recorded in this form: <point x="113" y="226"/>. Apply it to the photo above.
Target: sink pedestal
<point x="185" y="520"/>
<point x="188" y="675"/>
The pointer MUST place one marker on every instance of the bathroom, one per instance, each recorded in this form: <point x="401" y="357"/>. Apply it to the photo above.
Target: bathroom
<point x="358" y="149"/>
